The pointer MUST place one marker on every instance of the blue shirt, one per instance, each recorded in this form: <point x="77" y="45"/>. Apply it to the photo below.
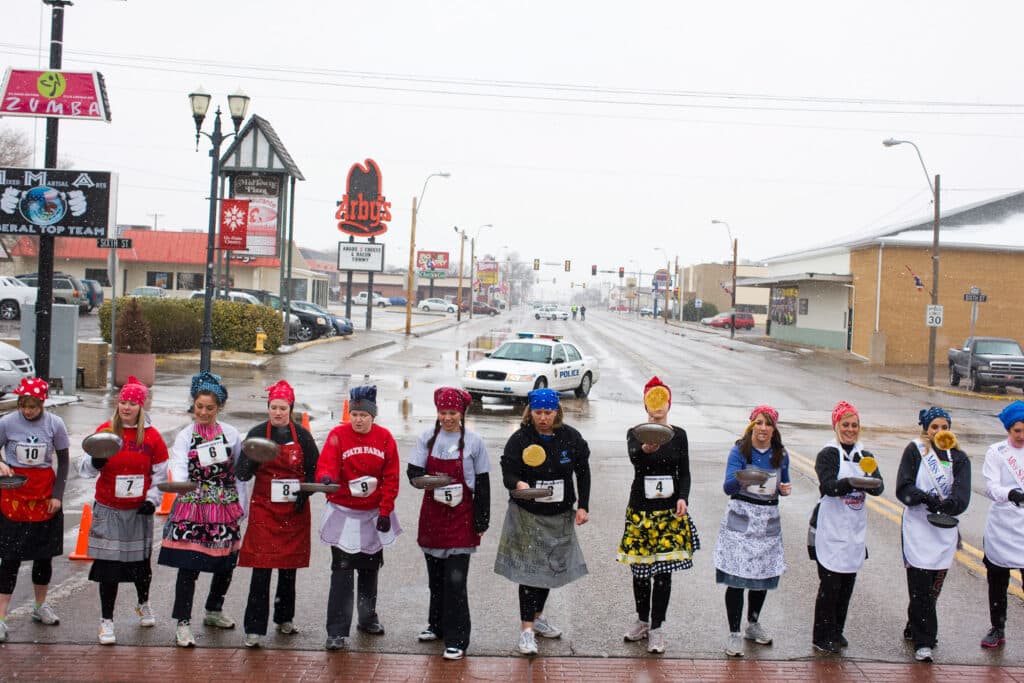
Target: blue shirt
<point x="760" y="459"/>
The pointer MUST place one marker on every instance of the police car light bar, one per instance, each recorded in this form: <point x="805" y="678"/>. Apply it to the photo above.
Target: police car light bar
<point x="537" y="335"/>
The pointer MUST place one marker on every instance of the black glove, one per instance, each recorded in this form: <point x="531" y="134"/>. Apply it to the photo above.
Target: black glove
<point x="326" y="480"/>
<point x="844" y="486"/>
<point x="147" y="508"/>
<point x="300" y="500"/>
<point x="932" y="502"/>
<point x="98" y="463"/>
<point x="1016" y="497"/>
<point x="383" y="524"/>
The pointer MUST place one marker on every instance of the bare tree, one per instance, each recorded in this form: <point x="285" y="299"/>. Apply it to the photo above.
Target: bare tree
<point x="15" y="148"/>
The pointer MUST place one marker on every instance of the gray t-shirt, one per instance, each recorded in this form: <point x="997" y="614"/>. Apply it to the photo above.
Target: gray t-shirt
<point x="446" y="447"/>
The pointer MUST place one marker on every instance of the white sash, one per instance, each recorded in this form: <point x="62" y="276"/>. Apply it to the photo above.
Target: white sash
<point x="941" y="481"/>
<point x="1016" y="468"/>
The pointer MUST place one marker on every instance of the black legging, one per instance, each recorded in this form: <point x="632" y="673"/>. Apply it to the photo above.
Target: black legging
<point x="257" y="610"/>
<point x="42" y="572"/>
<point x="108" y="595"/>
<point x="449" y="601"/>
<point x="831" y="605"/>
<point x="734" y="606"/>
<point x="652" y="605"/>
<point x="531" y="602"/>
<point x="339" y="599"/>
<point x="185" y="590"/>
<point x="998" y="582"/>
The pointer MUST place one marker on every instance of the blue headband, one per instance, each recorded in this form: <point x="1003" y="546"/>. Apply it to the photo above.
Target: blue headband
<point x="206" y="381"/>
<point x="925" y="417"/>
<point x="543" y="399"/>
<point x="1012" y="414"/>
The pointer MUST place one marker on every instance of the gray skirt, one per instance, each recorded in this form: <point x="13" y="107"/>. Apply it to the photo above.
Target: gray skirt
<point x="120" y="535"/>
<point x="539" y="550"/>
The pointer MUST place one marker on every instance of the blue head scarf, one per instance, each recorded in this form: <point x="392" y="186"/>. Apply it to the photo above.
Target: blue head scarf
<point x="364" y="398"/>
<point x="1011" y="414"/>
<point x="543" y="399"/>
<point x="925" y="417"/>
<point x="206" y="381"/>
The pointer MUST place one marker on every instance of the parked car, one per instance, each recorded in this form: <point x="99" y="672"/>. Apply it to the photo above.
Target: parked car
<point x="156" y="292"/>
<point x="339" y="324"/>
<point x="67" y="289"/>
<point x="550" y="312"/>
<point x="94" y="291"/>
<point x="312" y="323"/>
<point x="271" y="300"/>
<point x="646" y="310"/>
<point x="231" y="295"/>
<point x="15" y="365"/>
<point x="436" y="305"/>
<point x="724" y="320"/>
<point x="987" y="361"/>
<point x="618" y="307"/>
<point x="362" y="297"/>
<point x="531" y="361"/>
<point x="480" y="308"/>
<point x="13" y="295"/>
<point x="397" y="300"/>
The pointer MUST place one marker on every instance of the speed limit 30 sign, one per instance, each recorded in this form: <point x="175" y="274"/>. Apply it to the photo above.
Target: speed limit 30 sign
<point x="933" y="316"/>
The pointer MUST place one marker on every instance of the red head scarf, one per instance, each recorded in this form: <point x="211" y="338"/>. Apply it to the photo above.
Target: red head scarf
<point x="842" y="408"/>
<point x="772" y="414"/>
<point x="450" y="398"/>
<point x="283" y="391"/>
<point x="134" y="391"/>
<point x="34" y="387"/>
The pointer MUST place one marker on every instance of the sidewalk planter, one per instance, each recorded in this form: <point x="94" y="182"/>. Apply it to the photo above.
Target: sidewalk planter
<point x="142" y="365"/>
<point x="133" y="347"/>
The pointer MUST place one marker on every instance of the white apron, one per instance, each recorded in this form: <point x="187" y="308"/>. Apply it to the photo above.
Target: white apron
<point x="842" y="521"/>
<point x="1004" y="528"/>
<point x="926" y="546"/>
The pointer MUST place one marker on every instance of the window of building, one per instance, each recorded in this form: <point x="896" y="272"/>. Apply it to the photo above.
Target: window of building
<point x="190" y="281"/>
<point x="757" y="309"/>
<point x="99" y="275"/>
<point x="156" y="278"/>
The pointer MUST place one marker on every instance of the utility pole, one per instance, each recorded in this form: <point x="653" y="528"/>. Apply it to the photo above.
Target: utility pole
<point x="732" y="326"/>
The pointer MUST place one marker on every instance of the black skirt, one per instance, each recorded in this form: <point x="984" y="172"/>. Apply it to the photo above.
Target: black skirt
<point x="31" y="540"/>
<point x="112" y="571"/>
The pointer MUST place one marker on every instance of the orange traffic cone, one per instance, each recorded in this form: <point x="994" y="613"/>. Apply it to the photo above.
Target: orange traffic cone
<point x="305" y="420"/>
<point x="82" y="544"/>
<point x="167" y="501"/>
<point x="344" y="413"/>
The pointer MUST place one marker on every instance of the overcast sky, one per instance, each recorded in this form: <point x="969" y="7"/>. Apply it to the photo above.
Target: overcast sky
<point x="591" y="131"/>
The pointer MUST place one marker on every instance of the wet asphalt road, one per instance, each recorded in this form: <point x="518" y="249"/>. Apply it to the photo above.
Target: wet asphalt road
<point x="715" y="382"/>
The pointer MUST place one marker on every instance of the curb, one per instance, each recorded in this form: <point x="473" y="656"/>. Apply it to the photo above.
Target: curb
<point x="372" y="347"/>
<point x="944" y="390"/>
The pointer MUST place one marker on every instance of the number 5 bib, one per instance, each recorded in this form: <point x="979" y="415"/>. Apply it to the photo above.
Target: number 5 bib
<point x="450" y="495"/>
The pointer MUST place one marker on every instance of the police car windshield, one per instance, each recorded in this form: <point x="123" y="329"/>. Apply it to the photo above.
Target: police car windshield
<point x="533" y="353"/>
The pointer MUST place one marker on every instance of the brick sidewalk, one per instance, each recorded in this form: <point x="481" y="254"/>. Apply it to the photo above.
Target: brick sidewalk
<point x="97" y="663"/>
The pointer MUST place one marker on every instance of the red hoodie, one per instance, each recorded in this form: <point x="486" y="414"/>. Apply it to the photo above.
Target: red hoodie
<point x="347" y="456"/>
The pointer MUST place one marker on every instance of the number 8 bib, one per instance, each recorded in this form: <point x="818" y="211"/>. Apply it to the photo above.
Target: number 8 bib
<point x="284" y="490"/>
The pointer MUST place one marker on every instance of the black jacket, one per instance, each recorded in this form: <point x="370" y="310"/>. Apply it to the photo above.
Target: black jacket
<point x="567" y="454"/>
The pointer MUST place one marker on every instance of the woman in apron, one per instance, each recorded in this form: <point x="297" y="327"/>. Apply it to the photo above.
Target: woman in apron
<point x="840" y="522"/>
<point x="359" y="520"/>
<point x="748" y="554"/>
<point x="202" y="532"/>
<point x="452" y="517"/>
<point x="538" y="548"/>
<point x="121" y="535"/>
<point x="1004" y="528"/>
<point x="930" y="480"/>
<point x="277" y="532"/>
<point x="659" y="537"/>
<point x="31" y="520"/>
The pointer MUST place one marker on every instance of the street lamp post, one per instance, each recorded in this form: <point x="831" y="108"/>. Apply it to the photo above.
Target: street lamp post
<point x="462" y="254"/>
<point x="410" y="278"/>
<point x="238" y="105"/>
<point x="668" y="284"/>
<point x="891" y="142"/>
<point x="735" y="248"/>
<point x="472" y="266"/>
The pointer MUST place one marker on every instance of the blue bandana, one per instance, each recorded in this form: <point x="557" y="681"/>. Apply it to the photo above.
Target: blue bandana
<point x="543" y="399"/>
<point x="1012" y="413"/>
<point x="925" y="417"/>
<point x="364" y="398"/>
<point x="206" y="381"/>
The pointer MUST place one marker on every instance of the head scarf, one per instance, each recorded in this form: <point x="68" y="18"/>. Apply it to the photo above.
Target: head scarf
<point x="281" y="390"/>
<point x="543" y="399"/>
<point x="770" y="412"/>
<point x="654" y="383"/>
<point x="364" y="398"/>
<point x="842" y="408"/>
<point x="1012" y="414"/>
<point x="207" y="381"/>
<point x="34" y="387"/>
<point x="449" y="398"/>
<point x="925" y="417"/>
<point x="133" y="391"/>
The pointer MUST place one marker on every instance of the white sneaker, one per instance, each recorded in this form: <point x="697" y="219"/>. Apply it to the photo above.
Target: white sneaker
<point x="545" y="630"/>
<point x="252" y="640"/>
<point x="734" y="644"/>
<point x="45" y="614"/>
<point x="3" y="631"/>
<point x="183" y="635"/>
<point x="426" y="635"/>
<point x="453" y="653"/>
<point x="923" y="654"/>
<point x="756" y="633"/>
<point x="107" y="632"/>
<point x="287" y="628"/>
<point x="527" y="643"/>
<point x="656" y="642"/>
<point x="218" y="619"/>
<point x="637" y="631"/>
<point x="146" y="616"/>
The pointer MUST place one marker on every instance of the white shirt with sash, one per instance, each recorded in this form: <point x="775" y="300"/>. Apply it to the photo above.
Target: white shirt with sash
<point x="926" y="546"/>
<point x="1004" y="529"/>
<point x="842" y="520"/>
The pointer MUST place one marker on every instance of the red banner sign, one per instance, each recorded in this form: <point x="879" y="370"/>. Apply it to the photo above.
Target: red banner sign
<point x="432" y="260"/>
<point x="234" y="223"/>
<point x="55" y="94"/>
<point x="363" y="211"/>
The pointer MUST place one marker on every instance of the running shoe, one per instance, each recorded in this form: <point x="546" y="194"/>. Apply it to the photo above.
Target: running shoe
<point x="453" y="653"/>
<point x="994" y="638"/>
<point x="146" y="616"/>
<point x="527" y="643"/>
<point x="828" y="647"/>
<point x="252" y="640"/>
<point x="3" y="631"/>
<point x="923" y="654"/>
<point x="372" y="627"/>
<point x="637" y="631"/>
<point x="544" y="629"/>
<point x="45" y="614"/>
<point x="334" y="643"/>
<point x="287" y="628"/>
<point x="656" y="641"/>
<point x="427" y="635"/>
<point x="107" y="632"/>
<point x="757" y="633"/>
<point x="183" y="634"/>
<point x="218" y="619"/>
<point x="734" y="644"/>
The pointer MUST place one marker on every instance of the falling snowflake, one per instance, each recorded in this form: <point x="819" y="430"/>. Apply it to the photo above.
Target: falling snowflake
<point x="234" y="218"/>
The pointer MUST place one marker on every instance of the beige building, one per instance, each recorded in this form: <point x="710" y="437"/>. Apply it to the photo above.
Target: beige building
<point x="712" y="282"/>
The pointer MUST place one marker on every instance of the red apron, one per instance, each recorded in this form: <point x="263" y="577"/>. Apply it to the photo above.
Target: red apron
<point x="441" y="525"/>
<point x="277" y="537"/>
<point x="27" y="503"/>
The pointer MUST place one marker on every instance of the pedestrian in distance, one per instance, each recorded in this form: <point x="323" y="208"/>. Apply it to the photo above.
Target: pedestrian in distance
<point x="31" y="515"/>
<point x="749" y="554"/>
<point x="1004" y="528"/>
<point x="121" y="534"/>
<point x="359" y="520"/>
<point x="934" y="479"/>
<point x="278" y="530"/>
<point x="839" y="524"/>
<point x="574" y="310"/>
<point x="538" y="548"/>
<point x="659" y="537"/>
<point x="453" y="517"/>
<point x="583" y="313"/>
<point x="202" y="533"/>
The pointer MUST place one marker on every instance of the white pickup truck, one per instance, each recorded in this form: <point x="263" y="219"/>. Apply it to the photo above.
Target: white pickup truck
<point x="361" y="298"/>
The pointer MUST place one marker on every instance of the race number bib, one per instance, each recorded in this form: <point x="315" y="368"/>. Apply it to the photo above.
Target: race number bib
<point x="362" y="487"/>
<point x="284" y="490"/>
<point x="557" y="491"/>
<point x="450" y="495"/>
<point x="768" y="488"/>
<point x="129" y="485"/>
<point x="659" y="487"/>
<point x="30" y="454"/>
<point x="212" y="453"/>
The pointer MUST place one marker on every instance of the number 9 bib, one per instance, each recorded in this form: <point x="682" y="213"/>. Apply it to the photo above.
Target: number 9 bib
<point x="362" y="487"/>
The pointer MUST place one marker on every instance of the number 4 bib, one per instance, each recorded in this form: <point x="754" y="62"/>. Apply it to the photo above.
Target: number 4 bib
<point x="658" y="487"/>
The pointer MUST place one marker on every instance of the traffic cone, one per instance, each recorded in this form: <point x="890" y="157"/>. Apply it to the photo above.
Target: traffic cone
<point x="344" y="413"/>
<point x="167" y="502"/>
<point x="305" y="420"/>
<point x="82" y="544"/>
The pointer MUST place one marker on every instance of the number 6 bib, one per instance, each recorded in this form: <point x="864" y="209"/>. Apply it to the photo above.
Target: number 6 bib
<point x="363" y="486"/>
<point x="212" y="453"/>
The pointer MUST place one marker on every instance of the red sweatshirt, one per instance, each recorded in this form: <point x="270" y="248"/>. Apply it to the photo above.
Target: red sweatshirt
<point x="118" y="485"/>
<point x="366" y="466"/>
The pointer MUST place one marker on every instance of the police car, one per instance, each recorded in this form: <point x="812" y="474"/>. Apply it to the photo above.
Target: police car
<point x="531" y="361"/>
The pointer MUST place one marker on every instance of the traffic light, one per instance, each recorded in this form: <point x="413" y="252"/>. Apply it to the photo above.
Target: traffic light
<point x="593" y="270"/>
<point x="568" y="265"/>
<point x="536" y="264"/>
<point x="622" y="272"/>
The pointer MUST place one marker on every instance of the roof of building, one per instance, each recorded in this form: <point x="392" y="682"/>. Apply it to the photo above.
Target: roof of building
<point x="246" y="151"/>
